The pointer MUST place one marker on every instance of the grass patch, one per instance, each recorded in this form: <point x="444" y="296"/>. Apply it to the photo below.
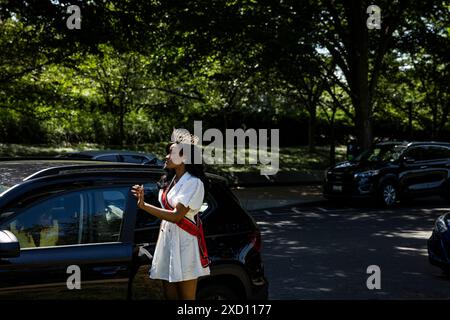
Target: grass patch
<point x="291" y="159"/>
<point x="21" y="150"/>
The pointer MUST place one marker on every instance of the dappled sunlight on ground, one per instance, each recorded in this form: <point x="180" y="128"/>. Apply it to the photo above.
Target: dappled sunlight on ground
<point x="407" y="234"/>
<point x="422" y="252"/>
<point x="313" y="253"/>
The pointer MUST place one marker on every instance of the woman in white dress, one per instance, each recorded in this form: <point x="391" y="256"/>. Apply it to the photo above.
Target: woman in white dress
<point x="180" y="256"/>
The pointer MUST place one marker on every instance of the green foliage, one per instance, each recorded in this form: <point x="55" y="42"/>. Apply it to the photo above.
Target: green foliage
<point x="138" y="68"/>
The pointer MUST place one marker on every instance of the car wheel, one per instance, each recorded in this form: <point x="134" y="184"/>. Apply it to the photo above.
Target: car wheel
<point x="217" y="291"/>
<point x="388" y="194"/>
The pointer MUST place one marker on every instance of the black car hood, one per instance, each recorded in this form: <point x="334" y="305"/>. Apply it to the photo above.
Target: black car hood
<point x="351" y="167"/>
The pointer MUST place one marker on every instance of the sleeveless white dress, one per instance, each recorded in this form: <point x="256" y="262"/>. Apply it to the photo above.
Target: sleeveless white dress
<point x="177" y="257"/>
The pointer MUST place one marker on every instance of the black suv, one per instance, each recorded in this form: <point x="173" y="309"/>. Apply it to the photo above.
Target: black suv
<point x="391" y="171"/>
<point x="82" y="236"/>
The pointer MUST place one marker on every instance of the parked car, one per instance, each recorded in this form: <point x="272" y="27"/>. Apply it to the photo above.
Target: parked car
<point x="439" y="243"/>
<point x="391" y="171"/>
<point x="114" y="156"/>
<point x="60" y="215"/>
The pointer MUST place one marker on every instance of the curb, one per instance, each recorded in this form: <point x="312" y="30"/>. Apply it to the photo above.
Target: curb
<point x="300" y="204"/>
<point x="262" y="185"/>
<point x="250" y="179"/>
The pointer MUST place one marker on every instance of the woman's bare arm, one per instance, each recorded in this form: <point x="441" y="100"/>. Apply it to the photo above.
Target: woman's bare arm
<point x="170" y="215"/>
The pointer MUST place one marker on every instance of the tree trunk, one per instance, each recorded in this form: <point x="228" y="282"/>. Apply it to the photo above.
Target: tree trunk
<point x="443" y="119"/>
<point x="332" y="145"/>
<point x="225" y="121"/>
<point x="410" y="119"/>
<point x="312" y="120"/>
<point x="333" y="139"/>
<point x="363" y="124"/>
<point x="359" y="70"/>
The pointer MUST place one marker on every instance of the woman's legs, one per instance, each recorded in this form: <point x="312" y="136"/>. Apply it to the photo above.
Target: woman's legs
<point x="170" y="290"/>
<point x="187" y="289"/>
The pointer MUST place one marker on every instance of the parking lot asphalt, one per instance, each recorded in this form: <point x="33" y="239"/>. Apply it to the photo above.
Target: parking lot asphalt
<point x="254" y="198"/>
<point x="315" y="249"/>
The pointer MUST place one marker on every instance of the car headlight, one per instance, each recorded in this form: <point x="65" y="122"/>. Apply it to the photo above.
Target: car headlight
<point x="440" y="225"/>
<point x="366" y="174"/>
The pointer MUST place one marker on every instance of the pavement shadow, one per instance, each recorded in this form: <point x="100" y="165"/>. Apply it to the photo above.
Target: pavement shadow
<point x="325" y="255"/>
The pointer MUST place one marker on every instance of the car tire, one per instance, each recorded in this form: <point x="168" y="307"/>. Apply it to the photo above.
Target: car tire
<point x="388" y="194"/>
<point x="217" y="291"/>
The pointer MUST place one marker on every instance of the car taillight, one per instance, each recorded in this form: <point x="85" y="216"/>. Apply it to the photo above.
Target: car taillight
<point x="255" y="238"/>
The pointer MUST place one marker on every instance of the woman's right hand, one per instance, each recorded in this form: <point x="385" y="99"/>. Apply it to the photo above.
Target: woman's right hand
<point x="138" y="192"/>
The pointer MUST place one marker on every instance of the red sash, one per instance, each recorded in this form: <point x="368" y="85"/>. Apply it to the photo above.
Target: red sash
<point x="195" y="229"/>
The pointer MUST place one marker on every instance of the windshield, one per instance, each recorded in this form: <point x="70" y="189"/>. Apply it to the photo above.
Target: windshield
<point x="385" y="153"/>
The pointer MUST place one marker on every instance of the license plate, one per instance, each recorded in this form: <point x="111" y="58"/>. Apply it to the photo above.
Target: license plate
<point x="337" y="188"/>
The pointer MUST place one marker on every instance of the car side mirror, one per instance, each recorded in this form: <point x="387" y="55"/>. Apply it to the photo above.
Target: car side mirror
<point x="9" y="245"/>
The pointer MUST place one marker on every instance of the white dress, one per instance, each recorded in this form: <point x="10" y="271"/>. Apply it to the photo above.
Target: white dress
<point x="177" y="257"/>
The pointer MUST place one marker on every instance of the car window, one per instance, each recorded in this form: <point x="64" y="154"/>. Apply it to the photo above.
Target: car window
<point x="82" y="216"/>
<point x="105" y="215"/>
<point x="437" y="152"/>
<point x="207" y="206"/>
<point x="50" y="222"/>
<point x="133" y="159"/>
<point x="109" y="157"/>
<point x="383" y="153"/>
<point x="143" y="218"/>
<point x="416" y="153"/>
